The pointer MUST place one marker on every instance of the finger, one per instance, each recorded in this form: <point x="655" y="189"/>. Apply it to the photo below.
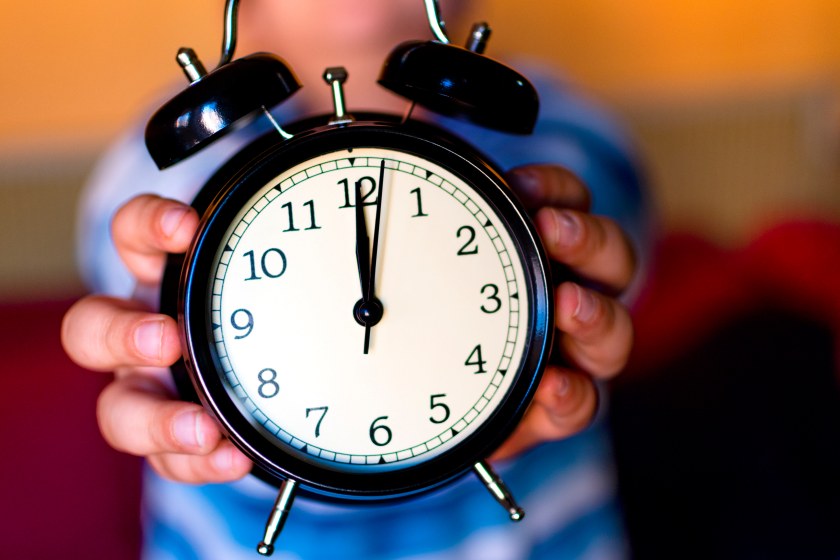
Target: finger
<point x="224" y="464"/>
<point x="104" y="333"/>
<point x="564" y="404"/>
<point x="548" y="185"/>
<point x="148" y="227"/>
<point x="137" y="415"/>
<point x="594" y="247"/>
<point x="596" y="330"/>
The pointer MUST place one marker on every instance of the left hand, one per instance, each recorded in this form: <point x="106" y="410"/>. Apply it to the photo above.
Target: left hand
<point x="595" y="332"/>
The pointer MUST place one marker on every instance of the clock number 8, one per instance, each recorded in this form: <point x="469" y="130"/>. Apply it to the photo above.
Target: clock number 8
<point x="268" y="386"/>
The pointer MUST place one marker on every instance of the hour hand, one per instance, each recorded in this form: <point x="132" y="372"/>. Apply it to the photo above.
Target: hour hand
<point x="362" y="243"/>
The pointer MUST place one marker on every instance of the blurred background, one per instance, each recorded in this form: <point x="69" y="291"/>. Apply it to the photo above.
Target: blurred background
<point x="727" y="422"/>
<point x="735" y="105"/>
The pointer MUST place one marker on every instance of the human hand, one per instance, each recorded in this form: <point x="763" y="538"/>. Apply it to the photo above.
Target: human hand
<point x="595" y="332"/>
<point x="138" y="412"/>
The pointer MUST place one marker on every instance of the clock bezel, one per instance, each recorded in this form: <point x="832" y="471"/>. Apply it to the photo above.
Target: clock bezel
<point x="189" y="276"/>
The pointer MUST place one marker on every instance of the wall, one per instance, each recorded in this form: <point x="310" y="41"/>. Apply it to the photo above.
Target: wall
<point x="734" y="104"/>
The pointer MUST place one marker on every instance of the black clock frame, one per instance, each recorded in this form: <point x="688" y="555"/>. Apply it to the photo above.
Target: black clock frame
<point x="186" y="285"/>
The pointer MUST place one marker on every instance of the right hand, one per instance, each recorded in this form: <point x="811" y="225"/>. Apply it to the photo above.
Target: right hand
<point x="139" y="411"/>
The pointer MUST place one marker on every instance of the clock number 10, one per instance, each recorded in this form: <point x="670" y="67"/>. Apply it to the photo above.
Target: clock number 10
<point x="272" y="264"/>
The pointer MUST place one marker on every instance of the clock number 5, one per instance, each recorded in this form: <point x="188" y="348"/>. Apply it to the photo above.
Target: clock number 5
<point x="441" y="406"/>
<point x="380" y="435"/>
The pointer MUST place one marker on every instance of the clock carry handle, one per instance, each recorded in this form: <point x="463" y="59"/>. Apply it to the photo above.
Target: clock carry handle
<point x="461" y="82"/>
<point x="234" y="92"/>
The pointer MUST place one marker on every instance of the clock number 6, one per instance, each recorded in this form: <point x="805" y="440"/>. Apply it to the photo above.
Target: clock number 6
<point x="433" y="405"/>
<point x="380" y="429"/>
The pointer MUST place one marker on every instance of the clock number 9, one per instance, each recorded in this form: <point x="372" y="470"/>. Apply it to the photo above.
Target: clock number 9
<point x="268" y="264"/>
<point x="380" y="429"/>
<point x="268" y="384"/>
<point x="248" y="326"/>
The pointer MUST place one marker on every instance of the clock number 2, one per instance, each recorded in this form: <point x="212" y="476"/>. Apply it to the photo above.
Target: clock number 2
<point x="272" y="264"/>
<point x="470" y="247"/>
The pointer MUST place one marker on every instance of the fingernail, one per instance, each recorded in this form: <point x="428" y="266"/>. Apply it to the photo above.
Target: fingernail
<point x="187" y="429"/>
<point x="567" y="228"/>
<point x="587" y="305"/>
<point x="528" y="183"/>
<point x="561" y="389"/>
<point x="223" y="459"/>
<point x="171" y="219"/>
<point x="148" y="338"/>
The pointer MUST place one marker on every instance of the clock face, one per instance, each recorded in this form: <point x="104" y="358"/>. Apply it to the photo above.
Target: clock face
<point x="456" y="332"/>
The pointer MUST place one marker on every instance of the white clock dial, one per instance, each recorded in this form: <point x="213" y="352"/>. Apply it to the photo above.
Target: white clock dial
<point x="450" y="341"/>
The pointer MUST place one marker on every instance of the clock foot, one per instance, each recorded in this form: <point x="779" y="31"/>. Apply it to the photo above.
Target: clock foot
<point x="278" y="516"/>
<point x="497" y="487"/>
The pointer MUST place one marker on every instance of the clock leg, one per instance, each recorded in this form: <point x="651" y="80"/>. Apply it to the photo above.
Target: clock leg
<point x="278" y="517"/>
<point x="497" y="487"/>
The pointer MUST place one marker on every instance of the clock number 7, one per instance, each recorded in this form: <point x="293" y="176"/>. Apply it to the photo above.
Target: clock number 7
<point x="323" y="410"/>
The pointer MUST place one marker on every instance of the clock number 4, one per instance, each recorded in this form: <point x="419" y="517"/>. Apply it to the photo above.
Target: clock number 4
<point x="323" y="410"/>
<point x="272" y="264"/>
<point x="475" y="359"/>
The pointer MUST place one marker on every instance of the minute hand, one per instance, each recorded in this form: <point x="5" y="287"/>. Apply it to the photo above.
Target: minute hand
<point x="362" y="244"/>
<point x="372" y="277"/>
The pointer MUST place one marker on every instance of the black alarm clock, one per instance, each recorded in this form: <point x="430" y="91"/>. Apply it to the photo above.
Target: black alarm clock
<point x="366" y="309"/>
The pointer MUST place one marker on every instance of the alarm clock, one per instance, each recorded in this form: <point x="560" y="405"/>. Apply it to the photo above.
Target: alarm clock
<point x="366" y="308"/>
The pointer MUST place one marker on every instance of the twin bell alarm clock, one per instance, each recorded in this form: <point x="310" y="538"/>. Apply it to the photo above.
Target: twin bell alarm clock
<point x="366" y="308"/>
